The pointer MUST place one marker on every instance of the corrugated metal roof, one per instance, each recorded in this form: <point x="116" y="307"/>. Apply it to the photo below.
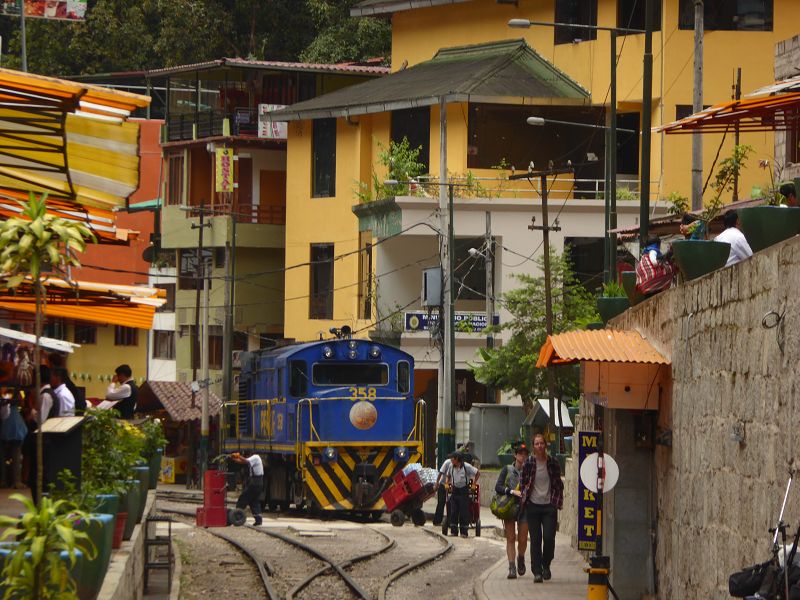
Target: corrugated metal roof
<point x="278" y="65"/>
<point x="367" y="8"/>
<point x="176" y="398"/>
<point x="505" y="72"/>
<point x="601" y="345"/>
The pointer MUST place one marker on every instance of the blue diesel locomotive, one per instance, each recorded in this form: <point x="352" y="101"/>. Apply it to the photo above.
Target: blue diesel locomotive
<point x="333" y="421"/>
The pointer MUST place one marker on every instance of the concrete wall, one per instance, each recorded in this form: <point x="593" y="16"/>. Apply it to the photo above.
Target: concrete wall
<point x="716" y="498"/>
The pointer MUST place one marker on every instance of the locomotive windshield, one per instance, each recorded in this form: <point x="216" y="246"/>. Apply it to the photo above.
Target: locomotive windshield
<point x="350" y="374"/>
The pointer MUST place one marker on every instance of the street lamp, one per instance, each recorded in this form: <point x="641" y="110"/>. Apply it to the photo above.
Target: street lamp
<point x="647" y="95"/>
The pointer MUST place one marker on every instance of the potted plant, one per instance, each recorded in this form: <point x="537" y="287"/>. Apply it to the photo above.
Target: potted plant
<point x="629" y="285"/>
<point x="153" y="448"/>
<point x="764" y="226"/>
<point x="695" y="258"/>
<point x="44" y="561"/>
<point x="612" y="301"/>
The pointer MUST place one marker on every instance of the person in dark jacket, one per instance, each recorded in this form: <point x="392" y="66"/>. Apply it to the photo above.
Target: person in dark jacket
<point x="516" y="529"/>
<point x="123" y="390"/>
<point x="542" y="496"/>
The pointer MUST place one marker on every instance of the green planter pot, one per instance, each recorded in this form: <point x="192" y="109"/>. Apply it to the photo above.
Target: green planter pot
<point x="100" y="528"/>
<point x="505" y="459"/>
<point x="132" y="501"/>
<point x="764" y="226"/>
<point x="696" y="258"/>
<point x="107" y="504"/>
<point x="143" y="475"/>
<point x="155" y="469"/>
<point x="611" y="307"/>
<point x="629" y="285"/>
<point x="7" y="550"/>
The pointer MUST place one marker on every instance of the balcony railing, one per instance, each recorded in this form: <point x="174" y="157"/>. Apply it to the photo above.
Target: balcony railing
<point x="245" y="213"/>
<point x="210" y="123"/>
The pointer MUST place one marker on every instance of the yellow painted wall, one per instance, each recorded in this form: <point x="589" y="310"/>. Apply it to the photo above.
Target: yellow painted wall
<point x="418" y="34"/>
<point x="92" y="365"/>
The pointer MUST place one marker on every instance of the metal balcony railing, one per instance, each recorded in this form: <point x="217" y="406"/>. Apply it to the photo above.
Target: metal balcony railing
<point x="246" y="213"/>
<point x="243" y="121"/>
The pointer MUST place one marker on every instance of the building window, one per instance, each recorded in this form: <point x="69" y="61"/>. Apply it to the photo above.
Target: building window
<point x="321" y="284"/>
<point x="586" y="255"/>
<point x="578" y="12"/>
<point x="684" y="110"/>
<point x="188" y="276"/>
<point x="793" y="140"/>
<point x="175" y="179"/>
<point x="85" y="334"/>
<point x="164" y="345"/>
<point x="214" y="347"/>
<point x="324" y="159"/>
<point x="414" y="124"/>
<point x="55" y="329"/>
<point x="631" y="14"/>
<point x="125" y="336"/>
<point x="728" y="15"/>
<point x="365" y="275"/>
<point x="470" y="272"/>
<point x="169" y="305"/>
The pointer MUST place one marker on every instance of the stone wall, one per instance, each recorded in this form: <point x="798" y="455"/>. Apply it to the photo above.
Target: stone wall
<point x="716" y="497"/>
<point x="787" y="61"/>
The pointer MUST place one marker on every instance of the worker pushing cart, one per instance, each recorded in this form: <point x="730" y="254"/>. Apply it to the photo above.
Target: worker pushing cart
<point x="461" y="483"/>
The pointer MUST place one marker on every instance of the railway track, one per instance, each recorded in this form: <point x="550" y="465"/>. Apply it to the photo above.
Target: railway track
<point x="331" y="566"/>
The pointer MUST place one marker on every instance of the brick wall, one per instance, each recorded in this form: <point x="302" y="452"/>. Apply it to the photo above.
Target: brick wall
<point x="717" y="498"/>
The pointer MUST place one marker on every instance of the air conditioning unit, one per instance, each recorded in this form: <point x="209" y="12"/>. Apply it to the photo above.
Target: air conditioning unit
<point x="432" y="286"/>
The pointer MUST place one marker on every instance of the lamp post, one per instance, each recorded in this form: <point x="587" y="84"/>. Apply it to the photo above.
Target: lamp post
<point x="609" y="241"/>
<point x="647" y="94"/>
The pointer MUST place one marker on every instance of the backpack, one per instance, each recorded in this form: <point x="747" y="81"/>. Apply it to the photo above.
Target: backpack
<point x="652" y="277"/>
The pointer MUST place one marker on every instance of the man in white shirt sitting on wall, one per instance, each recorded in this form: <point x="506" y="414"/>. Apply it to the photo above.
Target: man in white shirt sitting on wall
<point x="740" y="249"/>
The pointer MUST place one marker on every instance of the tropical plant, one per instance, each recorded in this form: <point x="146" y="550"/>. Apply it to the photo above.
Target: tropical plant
<point x="677" y="205"/>
<point x="43" y="532"/>
<point x="111" y="448"/>
<point x="29" y="243"/>
<point x="729" y="169"/>
<point x="612" y="289"/>
<point x="512" y="366"/>
<point x="402" y="166"/>
<point x="154" y="439"/>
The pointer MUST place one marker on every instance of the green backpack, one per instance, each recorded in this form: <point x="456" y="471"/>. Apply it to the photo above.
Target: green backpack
<point x="505" y="507"/>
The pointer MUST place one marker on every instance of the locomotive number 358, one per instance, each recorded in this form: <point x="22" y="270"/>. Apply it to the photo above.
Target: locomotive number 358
<point x="362" y="393"/>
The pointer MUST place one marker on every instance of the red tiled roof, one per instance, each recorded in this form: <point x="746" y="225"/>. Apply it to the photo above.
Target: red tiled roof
<point x="176" y="398"/>
<point x="350" y="68"/>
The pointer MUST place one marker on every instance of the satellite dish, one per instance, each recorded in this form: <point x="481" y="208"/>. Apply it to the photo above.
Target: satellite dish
<point x="589" y="472"/>
<point x="346" y="331"/>
<point x="149" y="254"/>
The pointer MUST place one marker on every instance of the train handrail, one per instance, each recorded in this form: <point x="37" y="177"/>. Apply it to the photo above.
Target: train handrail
<point x="418" y="432"/>
<point x="312" y="431"/>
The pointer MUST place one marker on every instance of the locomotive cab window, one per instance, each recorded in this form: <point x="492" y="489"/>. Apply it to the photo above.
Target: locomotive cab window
<point x="350" y="374"/>
<point x="298" y="378"/>
<point x="403" y="377"/>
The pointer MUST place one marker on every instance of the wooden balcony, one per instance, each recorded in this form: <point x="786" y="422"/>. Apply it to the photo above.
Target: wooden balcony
<point x="246" y="213"/>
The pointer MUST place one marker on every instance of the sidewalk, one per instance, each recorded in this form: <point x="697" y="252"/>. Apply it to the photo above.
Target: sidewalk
<point x="569" y="582"/>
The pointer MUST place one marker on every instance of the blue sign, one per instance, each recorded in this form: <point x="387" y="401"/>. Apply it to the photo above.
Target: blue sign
<point x="467" y="322"/>
<point x="588" y="443"/>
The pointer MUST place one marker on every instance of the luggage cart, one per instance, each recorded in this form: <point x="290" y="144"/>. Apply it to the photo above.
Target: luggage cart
<point x="474" y="509"/>
<point x="404" y="497"/>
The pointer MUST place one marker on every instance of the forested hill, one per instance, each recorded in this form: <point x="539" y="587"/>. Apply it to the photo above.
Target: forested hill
<point x="133" y="35"/>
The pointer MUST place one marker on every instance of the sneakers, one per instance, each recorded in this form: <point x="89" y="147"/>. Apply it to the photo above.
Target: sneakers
<point x="512" y="571"/>
<point x="537" y="578"/>
<point x="521" y="565"/>
<point x="546" y="575"/>
<point x="257" y="521"/>
<point x="464" y="535"/>
<point x="453" y="534"/>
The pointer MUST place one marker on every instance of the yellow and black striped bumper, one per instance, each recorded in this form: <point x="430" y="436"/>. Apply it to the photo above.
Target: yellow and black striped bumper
<point x="331" y="484"/>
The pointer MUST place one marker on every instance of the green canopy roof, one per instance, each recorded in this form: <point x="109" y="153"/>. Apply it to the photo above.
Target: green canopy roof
<point x="506" y="72"/>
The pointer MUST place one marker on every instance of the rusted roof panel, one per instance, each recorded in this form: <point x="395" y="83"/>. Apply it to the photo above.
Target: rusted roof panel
<point x="176" y="398"/>
<point x="601" y="345"/>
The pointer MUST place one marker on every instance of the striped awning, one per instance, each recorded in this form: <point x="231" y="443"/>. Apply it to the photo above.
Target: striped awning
<point x="108" y="304"/>
<point x="71" y="140"/>
<point x="599" y="345"/>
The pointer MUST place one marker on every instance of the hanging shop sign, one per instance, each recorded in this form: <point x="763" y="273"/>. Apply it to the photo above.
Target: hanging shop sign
<point x="267" y="128"/>
<point x="224" y="169"/>
<point x="466" y="322"/>
<point x="63" y="10"/>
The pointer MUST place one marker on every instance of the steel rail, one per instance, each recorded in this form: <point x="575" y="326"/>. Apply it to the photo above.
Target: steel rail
<point x="354" y="587"/>
<point x="262" y="566"/>
<point x="408" y="568"/>
<point x="390" y="544"/>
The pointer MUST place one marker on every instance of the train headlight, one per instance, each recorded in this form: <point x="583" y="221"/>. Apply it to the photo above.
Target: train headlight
<point x="352" y="354"/>
<point x="401" y="454"/>
<point x="375" y="352"/>
<point x="329" y="454"/>
<point x="327" y="352"/>
<point x="352" y="344"/>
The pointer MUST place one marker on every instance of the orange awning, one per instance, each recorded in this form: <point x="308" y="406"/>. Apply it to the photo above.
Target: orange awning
<point x="129" y="306"/>
<point x="599" y="345"/>
<point x="779" y="112"/>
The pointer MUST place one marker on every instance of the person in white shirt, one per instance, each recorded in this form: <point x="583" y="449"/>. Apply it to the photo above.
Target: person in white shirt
<point x="251" y="496"/>
<point x="458" y="482"/>
<point x="64" y="397"/>
<point x="740" y="249"/>
<point x="123" y="391"/>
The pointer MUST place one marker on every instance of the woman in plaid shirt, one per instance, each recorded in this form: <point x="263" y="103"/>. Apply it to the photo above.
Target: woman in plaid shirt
<point x="542" y="495"/>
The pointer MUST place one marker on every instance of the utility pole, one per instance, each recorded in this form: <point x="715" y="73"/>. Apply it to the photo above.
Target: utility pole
<point x="612" y="166"/>
<point x="489" y="256"/>
<point x="205" y="383"/>
<point x="697" y="106"/>
<point x="647" y="121"/>
<point x="546" y="228"/>
<point x="22" y="42"/>
<point x="737" y="95"/>
<point x="227" y="340"/>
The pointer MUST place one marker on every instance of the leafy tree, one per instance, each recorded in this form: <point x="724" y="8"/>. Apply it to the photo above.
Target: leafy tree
<point x="513" y="365"/>
<point x="30" y="244"/>
<point x="342" y="38"/>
